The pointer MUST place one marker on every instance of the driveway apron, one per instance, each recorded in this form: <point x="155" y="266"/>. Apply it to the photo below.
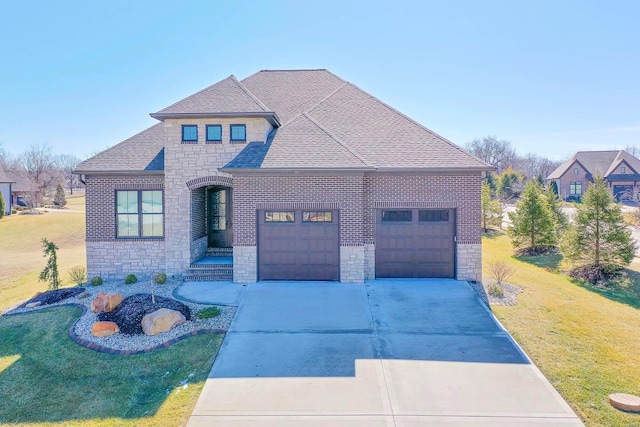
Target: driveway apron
<point x="397" y="352"/>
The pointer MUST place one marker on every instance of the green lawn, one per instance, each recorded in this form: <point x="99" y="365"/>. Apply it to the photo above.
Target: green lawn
<point x="21" y="249"/>
<point x="46" y="379"/>
<point x="584" y="340"/>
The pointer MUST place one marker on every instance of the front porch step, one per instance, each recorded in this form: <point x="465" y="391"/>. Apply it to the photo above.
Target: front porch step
<point x="219" y="252"/>
<point x="209" y="272"/>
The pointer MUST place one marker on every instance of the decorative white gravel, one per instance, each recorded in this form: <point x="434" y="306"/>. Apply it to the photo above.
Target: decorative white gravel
<point x="510" y="297"/>
<point x="119" y="341"/>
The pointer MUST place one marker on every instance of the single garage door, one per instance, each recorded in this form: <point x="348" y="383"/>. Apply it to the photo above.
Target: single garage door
<point x="623" y="192"/>
<point x="415" y="243"/>
<point x="298" y="245"/>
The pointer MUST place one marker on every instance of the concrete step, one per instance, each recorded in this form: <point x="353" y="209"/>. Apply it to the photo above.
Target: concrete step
<point x="206" y="272"/>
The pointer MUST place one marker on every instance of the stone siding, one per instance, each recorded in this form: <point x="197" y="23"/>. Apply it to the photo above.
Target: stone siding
<point x="352" y="264"/>
<point x="369" y="261"/>
<point x="245" y="264"/>
<point x="469" y="262"/>
<point x="115" y="259"/>
<point x="189" y="162"/>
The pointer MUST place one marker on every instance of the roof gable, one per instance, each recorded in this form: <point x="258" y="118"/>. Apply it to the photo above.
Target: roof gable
<point x="226" y="96"/>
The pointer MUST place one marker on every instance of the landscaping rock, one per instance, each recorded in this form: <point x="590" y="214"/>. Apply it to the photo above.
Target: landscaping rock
<point x="625" y="402"/>
<point x="52" y="297"/>
<point x="128" y="315"/>
<point x="162" y="320"/>
<point x="104" y="329"/>
<point x="104" y="303"/>
<point x="33" y="304"/>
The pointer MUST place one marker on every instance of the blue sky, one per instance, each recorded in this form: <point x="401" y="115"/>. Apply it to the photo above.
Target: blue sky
<point x="553" y="77"/>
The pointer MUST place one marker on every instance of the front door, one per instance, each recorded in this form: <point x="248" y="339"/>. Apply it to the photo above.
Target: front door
<point x="220" y="226"/>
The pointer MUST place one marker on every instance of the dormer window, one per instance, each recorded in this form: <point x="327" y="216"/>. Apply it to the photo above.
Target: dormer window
<point x="238" y="133"/>
<point x="575" y="171"/>
<point x="214" y="134"/>
<point x="190" y="134"/>
<point x="623" y="170"/>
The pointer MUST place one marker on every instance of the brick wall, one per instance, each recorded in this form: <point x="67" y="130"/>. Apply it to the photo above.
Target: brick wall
<point x="570" y="176"/>
<point x="107" y="255"/>
<point x="198" y="213"/>
<point x="461" y="192"/>
<point x="358" y="197"/>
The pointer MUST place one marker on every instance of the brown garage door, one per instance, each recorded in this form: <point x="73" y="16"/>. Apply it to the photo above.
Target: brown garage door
<point x="415" y="243"/>
<point x="298" y="245"/>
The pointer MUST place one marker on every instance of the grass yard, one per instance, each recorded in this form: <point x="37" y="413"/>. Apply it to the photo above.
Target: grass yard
<point x="21" y="249"/>
<point x="584" y="340"/>
<point x="46" y="379"/>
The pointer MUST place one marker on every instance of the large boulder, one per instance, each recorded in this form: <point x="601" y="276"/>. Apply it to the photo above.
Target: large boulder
<point x="104" y="303"/>
<point x="104" y="329"/>
<point x="162" y="320"/>
<point x="129" y="314"/>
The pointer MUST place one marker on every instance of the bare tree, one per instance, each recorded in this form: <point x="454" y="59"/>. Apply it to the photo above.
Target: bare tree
<point x="67" y="163"/>
<point x="38" y="162"/>
<point x="634" y="150"/>
<point x="7" y="161"/>
<point x="534" y="166"/>
<point x="498" y="153"/>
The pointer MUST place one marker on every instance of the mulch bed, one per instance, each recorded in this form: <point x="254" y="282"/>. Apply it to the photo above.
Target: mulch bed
<point x="537" y="251"/>
<point x="596" y="274"/>
<point x="52" y="297"/>
<point x="128" y="315"/>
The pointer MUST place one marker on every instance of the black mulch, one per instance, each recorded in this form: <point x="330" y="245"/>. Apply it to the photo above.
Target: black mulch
<point x="52" y="297"/>
<point x="128" y="315"/>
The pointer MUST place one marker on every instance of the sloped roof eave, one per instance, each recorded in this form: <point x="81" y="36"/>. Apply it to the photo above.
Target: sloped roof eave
<point x="270" y="116"/>
<point x="118" y="172"/>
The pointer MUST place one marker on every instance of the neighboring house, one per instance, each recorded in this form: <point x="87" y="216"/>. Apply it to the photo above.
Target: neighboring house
<point x="5" y="190"/>
<point x="620" y="170"/>
<point x="23" y="190"/>
<point x="304" y="175"/>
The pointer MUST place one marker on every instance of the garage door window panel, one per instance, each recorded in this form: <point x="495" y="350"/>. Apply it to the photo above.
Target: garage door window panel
<point x="396" y="216"/>
<point x="317" y="216"/>
<point x="279" y="216"/>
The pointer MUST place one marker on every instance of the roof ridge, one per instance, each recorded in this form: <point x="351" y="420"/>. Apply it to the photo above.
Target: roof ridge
<point x="336" y="139"/>
<point x="292" y="69"/>
<point x="456" y="147"/>
<point x="314" y="106"/>
<point x="250" y="95"/>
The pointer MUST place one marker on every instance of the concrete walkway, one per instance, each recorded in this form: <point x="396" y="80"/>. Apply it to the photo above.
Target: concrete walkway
<point x="388" y="353"/>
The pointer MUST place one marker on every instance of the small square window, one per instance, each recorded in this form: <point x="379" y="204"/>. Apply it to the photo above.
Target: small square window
<point x="214" y="133"/>
<point x="190" y="134"/>
<point x="623" y="170"/>
<point x="238" y="133"/>
<point x="575" y="171"/>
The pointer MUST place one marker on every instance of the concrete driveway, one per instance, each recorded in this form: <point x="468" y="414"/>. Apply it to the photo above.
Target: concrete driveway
<point x="387" y="353"/>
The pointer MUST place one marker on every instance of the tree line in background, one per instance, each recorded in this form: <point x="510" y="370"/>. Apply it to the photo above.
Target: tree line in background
<point x="44" y="171"/>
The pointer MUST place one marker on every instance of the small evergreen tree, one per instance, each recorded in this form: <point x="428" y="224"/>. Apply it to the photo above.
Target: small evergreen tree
<point x="491" y="209"/>
<point x="50" y="271"/>
<point x="1" y="206"/>
<point x="59" y="199"/>
<point x="533" y="225"/>
<point x="599" y="237"/>
<point x="555" y="206"/>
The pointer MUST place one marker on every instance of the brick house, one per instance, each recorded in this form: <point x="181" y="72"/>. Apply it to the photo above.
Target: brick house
<point x="285" y="175"/>
<point x="620" y="170"/>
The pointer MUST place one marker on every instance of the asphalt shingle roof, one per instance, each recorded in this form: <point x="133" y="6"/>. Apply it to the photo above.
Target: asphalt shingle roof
<point x="3" y="177"/>
<point x="601" y="163"/>
<point x="226" y="96"/>
<point x="138" y="153"/>
<point x="325" y="122"/>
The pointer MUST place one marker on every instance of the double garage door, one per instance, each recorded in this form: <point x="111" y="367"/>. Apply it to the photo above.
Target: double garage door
<point x="305" y="244"/>
<point x="415" y="243"/>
